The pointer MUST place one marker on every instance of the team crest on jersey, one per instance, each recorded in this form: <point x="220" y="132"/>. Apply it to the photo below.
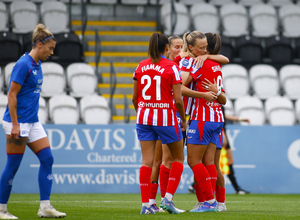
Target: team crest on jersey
<point x="185" y="63"/>
<point x="141" y="104"/>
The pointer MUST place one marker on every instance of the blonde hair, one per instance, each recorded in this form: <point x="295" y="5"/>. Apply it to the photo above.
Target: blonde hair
<point x="41" y="34"/>
<point x="189" y="38"/>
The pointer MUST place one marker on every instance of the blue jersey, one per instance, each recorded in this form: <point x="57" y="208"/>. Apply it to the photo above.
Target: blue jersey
<point x="28" y="74"/>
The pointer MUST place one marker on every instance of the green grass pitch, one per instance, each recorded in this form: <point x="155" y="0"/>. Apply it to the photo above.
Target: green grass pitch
<point x="127" y="206"/>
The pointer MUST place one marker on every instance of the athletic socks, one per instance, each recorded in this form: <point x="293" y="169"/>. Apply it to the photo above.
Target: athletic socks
<point x="45" y="176"/>
<point x="198" y="192"/>
<point x="145" y="179"/>
<point x="174" y="177"/>
<point x="220" y="194"/>
<point x="153" y="190"/>
<point x="203" y="179"/>
<point x="212" y="171"/>
<point x="12" y="166"/>
<point x="164" y="173"/>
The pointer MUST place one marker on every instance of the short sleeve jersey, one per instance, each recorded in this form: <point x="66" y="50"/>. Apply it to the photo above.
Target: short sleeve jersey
<point x="186" y="64"/>
<point x="203" y="110"/>
<point x="155" y="94"/>
<point x="28" y="74"/>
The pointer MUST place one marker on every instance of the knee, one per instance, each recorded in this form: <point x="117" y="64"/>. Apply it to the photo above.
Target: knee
<point x="47" y="160"/>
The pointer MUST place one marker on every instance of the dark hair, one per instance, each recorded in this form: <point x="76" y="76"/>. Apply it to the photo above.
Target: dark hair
<point x="214" y="43"/>
<point x="189" y="38"/>
<point x="41" y="34"/>
<point x="174" y="37"/>
<point x="157" y="46"/>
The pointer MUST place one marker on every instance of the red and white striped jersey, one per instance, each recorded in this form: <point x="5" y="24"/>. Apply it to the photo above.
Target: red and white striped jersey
<point x="155" y="94"/>
<point x="186" y="64"/>
<point x="203" y="110"/>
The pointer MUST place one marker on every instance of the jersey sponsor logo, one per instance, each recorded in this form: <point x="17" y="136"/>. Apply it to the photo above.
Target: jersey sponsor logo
<point x="212" y="104"/>
<point x="34" y="72"/>
<point x="153" y="67"/>
<point x="153" y="105"/>
<point x="216" y="68"/>
<point x="192" y="131"/>
<point x="141" y="104"/>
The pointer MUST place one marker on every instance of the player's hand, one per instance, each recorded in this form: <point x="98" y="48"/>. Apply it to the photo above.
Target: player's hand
<point x="183" y="125"/>
<point x="15" y="131"/>
<point x="210" y="96"/>
<point x="183" y="54"/>
<point x="207" y="85"/>
<point x="199" y="60"/>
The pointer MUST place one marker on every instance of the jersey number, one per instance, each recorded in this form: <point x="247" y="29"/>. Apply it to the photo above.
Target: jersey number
<point x="148" y="84"/>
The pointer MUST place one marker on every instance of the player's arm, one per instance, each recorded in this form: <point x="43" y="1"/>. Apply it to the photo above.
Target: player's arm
<point x="12" y="107"/>
<point x="135" y="94"/>
<point x="179" y="104"/>
<point x="209" y="86"/>
<point x="215" y="57"/>
<point x="235" y="118"/>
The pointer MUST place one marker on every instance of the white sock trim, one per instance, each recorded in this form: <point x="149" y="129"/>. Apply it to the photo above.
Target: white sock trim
<point x="44" y="204"/>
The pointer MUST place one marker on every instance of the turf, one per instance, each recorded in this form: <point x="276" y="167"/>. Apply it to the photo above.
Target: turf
<point x="127" y="206"/>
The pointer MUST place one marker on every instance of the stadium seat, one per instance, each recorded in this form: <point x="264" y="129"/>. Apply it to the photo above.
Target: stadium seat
<point x="134" y="2"/>
<point x="82" y="79"/>
<point x="9" y="42"/>
<point x="54" y="81"/>
<point x="54" y="15"/>
<point x="249" y="3"/>
<point x="289" y="76"/>
<point x="235" y="80"/>
<point x="280" y="111"/>
<point x="63" y="109"/>
<point x="234" y="19"/>
<point x="208" y="15"/>
<point x="191" y="2"/>
<point x="297" y="48"/>
<point x="7" y="72"/>
<point x="3" y="104"/>
<point x="24" y="16"/>
<point x="68" y="49"/>
<point x="94" y="109"/>
<point x="77" y="1"/>
<point x="250" y="107"/>
<point x="103" y="1"/>
<point x="227" y="48"/>
<point x="264" y="80"/>
<point x="279" y="3"/>
<point x="289" y="15"/>
<point x="229" y="109"/>
<point x="3" y="17"/>
<point x="297" y="109"/>
<point x="183" y="19"/>
<point x="221" y="2"/>
<point x="27" y="42"/>
<point x="160" y="2"/>
<point x="43" y="111"/>
<point x="264" y="20"/>
<point x="279" y="50"/>
<point x="249" y="49"/>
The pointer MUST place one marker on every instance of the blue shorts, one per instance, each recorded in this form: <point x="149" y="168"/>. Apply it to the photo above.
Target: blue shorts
<point x="203" y="132"/>
<point x="167" y="134"/>
<point x="179" y="122"/>
<point x="220" y="140"/>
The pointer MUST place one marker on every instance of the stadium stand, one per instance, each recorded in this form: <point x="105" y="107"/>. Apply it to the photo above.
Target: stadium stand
<point x="250" y="107"/>
<point x="1" y="82"/>
<point x="7" y="72"/>
<point x="297" y="109"/>
<point x="221" y="2"/>
<point x="63" y="109"/>
<point x="3" y="103"/>
<point x="264" y="81"/>
<point x="289" y="16"/>
<point x="280" y="111"/>
<point x="279" y="3"/>
<point x="93" y="106"/>
<point x="3" y="17"/>
<point x="43" y="111"/>
<point x="9" y="42"/>
<point x="249" y="3"/>
<point x="54" y="82"/>
<point x="81" y="79"/>
<point x="289" y="76"/>
<point x="229" y="107"/>
<point x="234" y="19"/>
<point x="208" y="15"/>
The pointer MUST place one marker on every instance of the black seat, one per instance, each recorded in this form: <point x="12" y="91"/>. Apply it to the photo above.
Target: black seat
<point x="249" y="50"/>
<point x="279" y="50"/>
<point x="27" y="42"/>
<point x="10" y="48"/>
<point x="68" y="49"/>
<point x="227" y="48"/>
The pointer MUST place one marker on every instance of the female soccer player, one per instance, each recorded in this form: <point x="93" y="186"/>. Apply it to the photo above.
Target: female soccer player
<point x="22" y="126"/>
<point x="206" y="118"/>
<point x="157" y="81"/>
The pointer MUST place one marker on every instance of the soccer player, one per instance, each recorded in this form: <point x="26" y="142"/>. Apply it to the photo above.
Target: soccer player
<point x="22" y="126"/>
<point x="206" y="118"/>
<point x="157" y="81"/>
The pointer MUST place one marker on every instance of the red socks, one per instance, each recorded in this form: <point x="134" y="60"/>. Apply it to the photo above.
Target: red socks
<point x="199" y="194"/>
<point x="203" y="179"/>
<point x="174" y="177"/>
<point x="145" y="179"/>
<point x="220" y="194"/>
<point x="163" y="179"/>
<point x="212" y="171"/>
<point x="153" y="190"/>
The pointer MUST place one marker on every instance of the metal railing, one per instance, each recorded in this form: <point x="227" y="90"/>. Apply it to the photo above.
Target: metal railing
<point x="98" y="50"/>
<point x="113" y="82"/>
